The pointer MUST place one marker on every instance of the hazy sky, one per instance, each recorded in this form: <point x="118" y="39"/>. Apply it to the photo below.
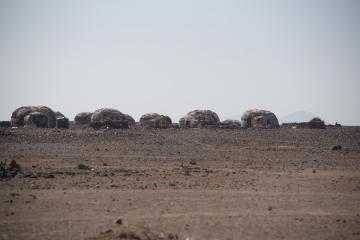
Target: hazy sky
<point x="172" y="57"/>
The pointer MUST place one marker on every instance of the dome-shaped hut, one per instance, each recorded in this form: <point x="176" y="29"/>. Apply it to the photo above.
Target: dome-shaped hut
<point x="317" y="123"/>
<point x="155" y="120"/>
<point x="130" y="120"/>
<point x="18" y="116"/>
<point x="108" y="118"/>
<point x="200" y="118"/>
<point x="36" y="120"/>
<point x="83" y="118"/>
<point x="259" y="118"/>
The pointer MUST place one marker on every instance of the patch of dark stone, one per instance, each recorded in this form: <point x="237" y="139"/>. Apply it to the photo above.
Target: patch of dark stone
<point x="337" y="147"/>
<point x="83" y="166"/>
<point x="6" y="132"/>
<point x="5" y="124"/>
<point x="82" y="170"/>
<point x="135" y="234"/>
<point x="9" y="170"/>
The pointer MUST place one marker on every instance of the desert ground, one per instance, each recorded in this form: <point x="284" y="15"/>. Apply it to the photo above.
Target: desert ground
<point x="181" y="184"/>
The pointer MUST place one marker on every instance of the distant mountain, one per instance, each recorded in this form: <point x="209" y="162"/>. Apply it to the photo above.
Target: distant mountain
<point x="300" y="116"/>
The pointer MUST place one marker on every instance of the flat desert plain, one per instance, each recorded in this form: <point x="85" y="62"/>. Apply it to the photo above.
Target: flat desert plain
<point x="181" y="184"/>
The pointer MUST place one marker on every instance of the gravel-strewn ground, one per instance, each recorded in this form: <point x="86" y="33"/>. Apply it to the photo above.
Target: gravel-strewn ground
<point x="181" y="183"/>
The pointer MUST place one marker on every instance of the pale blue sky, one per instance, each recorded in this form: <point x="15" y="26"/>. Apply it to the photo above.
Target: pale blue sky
<point x="172" y="57"/>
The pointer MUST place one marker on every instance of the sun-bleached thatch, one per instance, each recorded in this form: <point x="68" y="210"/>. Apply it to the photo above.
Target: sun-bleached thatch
<point x="17" y="117"/>
<point x="109" y="118"/>
<point x="200" y="118"/>
<point x="155" y="120"/>
<point x="259" y="118"/>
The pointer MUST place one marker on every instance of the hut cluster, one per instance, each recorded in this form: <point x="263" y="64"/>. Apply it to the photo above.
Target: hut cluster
<point x="44" y="117"/>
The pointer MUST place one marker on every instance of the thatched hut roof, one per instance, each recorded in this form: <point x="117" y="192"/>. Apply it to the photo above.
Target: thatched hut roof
<point x="17" y="117"/>
<point x="317" y="123"/>
<point x="155" y="120"/>
<point x="200" y="118"/>
<point x="109" y="118"/>
<point x="83" y="118"/>
<point x="264" y="119"/>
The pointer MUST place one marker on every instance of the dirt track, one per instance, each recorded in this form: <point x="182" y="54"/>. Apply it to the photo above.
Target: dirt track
<point x="190" y="183"/>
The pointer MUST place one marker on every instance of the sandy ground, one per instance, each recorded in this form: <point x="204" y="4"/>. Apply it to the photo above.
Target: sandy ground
<point x="181" y="184"/>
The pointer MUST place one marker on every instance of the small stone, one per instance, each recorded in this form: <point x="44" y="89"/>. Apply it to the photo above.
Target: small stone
<point x="83" y="166"/>
<point x="119" y="221"/>
<point x="270" y="208"/>
<point x="337" y="147"/>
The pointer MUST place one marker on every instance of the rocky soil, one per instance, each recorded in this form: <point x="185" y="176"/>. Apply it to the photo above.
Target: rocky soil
<point x="181" y="184"/>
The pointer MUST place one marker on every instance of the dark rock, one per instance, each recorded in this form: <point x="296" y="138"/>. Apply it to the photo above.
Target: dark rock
<point x="5" y="124"/>
<point x="337" y="147"/>
<point x="6" y="132"/>
<point x="192" y="162"/>
<point x="13" y="165"/>
<point x="83" y="166"/>
<point x="119" y="221"/>
<point x="8" y="170"/>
